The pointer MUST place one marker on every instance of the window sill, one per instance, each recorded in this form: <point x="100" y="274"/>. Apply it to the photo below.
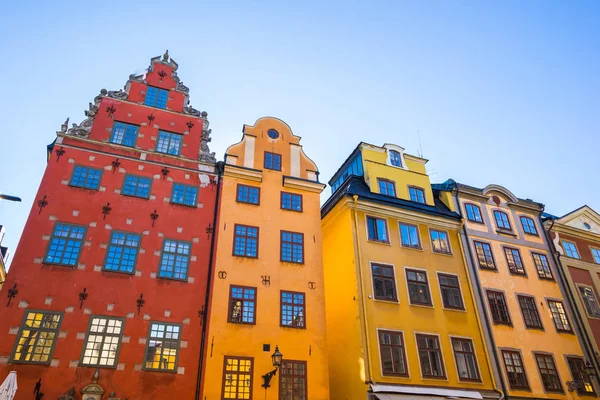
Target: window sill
<point x="518" y="274"/>
<point x="547" y="279"/>
<point x="84" y="188"/>
<point x="392" y="375"/>
<point x="247" y="202"/>
<point x="442" y="253"/>
<point x="421" y="305"/>
<point x="454" y="309"/>
<point x="507" y="232"/>
<point x="80" y="365"/>
<point x="168" y="371"/>
<point x="535" y="328"/>
<point x="11" y="361"/>
<point x="379" y="241"/>
<point x="60" y="264"/>
<point x="184" y="205"/>
<point x="291" y="262"/>
<point x="172" y="279"/>
<point x="469" y="380"/>
<point x="503" y="324"/>
<point x="488" y="269"/>
<point x="134" y="196"/>
<point x="412" y="247"/>
<point x="437" y="378"/>
<point x="241" y="323"/>
<point x="301" y="328"/>
<point x="383" y="300"/>
<point x="289" y="209"/>
<point x="476" y="222"/>
<point x="531" y="234"/>
<point x="244" y="256"/>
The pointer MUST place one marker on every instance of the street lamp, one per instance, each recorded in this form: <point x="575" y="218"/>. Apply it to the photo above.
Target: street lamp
<point x="9" y="197"/>
<point x="585" y="378"/>
<point x="276" y="357"/>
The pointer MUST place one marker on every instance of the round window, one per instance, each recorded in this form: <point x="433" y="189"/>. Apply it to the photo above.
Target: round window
<point x="273" y="134"/>
<point x="586" y="225"/>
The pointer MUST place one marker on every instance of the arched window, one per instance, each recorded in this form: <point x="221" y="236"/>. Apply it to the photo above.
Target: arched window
<point x="502" y="220"/>
<point x="473" y="213"/>
<point x="395" y="158"/>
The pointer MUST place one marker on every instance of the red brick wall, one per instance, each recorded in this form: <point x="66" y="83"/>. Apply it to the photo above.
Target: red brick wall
<point x="56" y="288"/>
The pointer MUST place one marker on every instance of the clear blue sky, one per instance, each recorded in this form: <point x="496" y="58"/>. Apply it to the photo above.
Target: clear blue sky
<point x="505" y="92"/>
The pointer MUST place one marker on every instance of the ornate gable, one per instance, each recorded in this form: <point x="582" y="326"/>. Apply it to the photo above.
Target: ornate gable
<point x="584" y="218"/>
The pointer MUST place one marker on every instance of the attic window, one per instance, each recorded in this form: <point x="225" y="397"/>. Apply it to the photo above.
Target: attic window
<point x="587" y="226"/>
<point x="156" y="97"/>
<point x="395" y="158"/>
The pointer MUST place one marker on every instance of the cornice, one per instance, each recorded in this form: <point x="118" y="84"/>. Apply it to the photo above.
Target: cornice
<point x="242" y="173"/>
<point x="569" y="230"/>
<point x="406" y="215"/>
<point x="303" y="184"/>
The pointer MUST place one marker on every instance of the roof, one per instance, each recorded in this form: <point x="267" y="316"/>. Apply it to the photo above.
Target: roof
<point x="345" y="163"/>
<point x="451" y="184"/>
<point x="355" y="185"/>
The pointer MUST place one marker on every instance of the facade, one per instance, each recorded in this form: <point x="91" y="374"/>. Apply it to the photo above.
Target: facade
<point x="112" y="266"/>
<point x="267" y="291"/>
<point x="529" y="323"/>
<point x="575" y="238"/>
<point x="401" y="316"/>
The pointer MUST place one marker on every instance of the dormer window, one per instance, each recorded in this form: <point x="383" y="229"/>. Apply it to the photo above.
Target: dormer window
<point x="395" y="158"/>
<point x="502" y="220"/>
<point x="416" y="194"/>
<point x="156" y="97"/>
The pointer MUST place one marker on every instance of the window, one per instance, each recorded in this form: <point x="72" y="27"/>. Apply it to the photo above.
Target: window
<point x="596" y="255"/>
<point x="156" y="97"/>
<point x="242" y="305"/>
<point x="384" y="282"/>
<point x="102" y="342"/>
<point x="542" y="266"/>
<point x="559" y="316"/>
<point x="430" y="356"/>
<point x="248" y="194"/>
<point x="498" y="308"/>
<point x="570" y="249"/>
<point x="292" y="380"/>
<point x="377" y="229"/>
<point x="386" y="187"/>
<point x="293" y="310"/>
<point x="409" y="236"/>
<point x="122" y="252"/>
<point x="37" y="336"/>
<point x="515" y="371"/>
<point x="466" y="363"/>
<point x="485" y="255"/>
<point x="237" y="378"/>
<point x="163" y="347"/>
<point x="416" y="194"/>
<point x="548" y="372"/>
<point x="580" y="376"/>
<point x="124" y="134"/>
<point x="169" y="143"/>
<point x="528" y="226"/>
<point x="291" y="201"/>
<point x="473" y="213"/>
<point x="175" y="259"/>
<point x="245" y="241"/>
<point x="86" y="177"/>
<point x="530" y="312"/>
<point x="440" y="242"/>
<point x="589" y="300"/>
<point x="136" y="186"/>
<point x="272" y="161"/>
<point x="186" y="195"/>
<point x="353" y="167"/>
<point x="65" y="244"/>
<point x="513" y="259"/>
<point x="395" y="158"/>
<point x="502" y="221"/>
<point x="292" y="247"/>
<point x="450" y="289"/>
<point x="392" y="353"/>
<point x="418" y="287"/>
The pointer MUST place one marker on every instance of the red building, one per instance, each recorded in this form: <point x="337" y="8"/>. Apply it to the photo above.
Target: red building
<point x="111" y="269"/>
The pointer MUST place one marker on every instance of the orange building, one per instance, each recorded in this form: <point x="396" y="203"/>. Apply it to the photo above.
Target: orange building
<point x="267" y="291"/>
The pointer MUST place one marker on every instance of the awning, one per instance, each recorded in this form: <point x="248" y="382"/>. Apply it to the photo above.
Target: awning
<point x="404" y="392"/>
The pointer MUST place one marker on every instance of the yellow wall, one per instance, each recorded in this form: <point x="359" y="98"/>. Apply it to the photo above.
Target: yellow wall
<point x="517" y="336"/>
<point x="346" y="356"/>
<point x="374" y="161"/>
<point x="355" y="358"/>
<point x="247" y="340"/>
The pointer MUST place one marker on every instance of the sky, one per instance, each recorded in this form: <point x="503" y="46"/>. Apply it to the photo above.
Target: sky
<point x="504" y="92"/>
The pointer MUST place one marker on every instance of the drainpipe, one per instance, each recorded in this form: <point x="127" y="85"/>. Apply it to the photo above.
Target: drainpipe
<point x="219" y="167"/>
<point x="361" y="299"/>
<point x="589" y="347"/>
<point x="504" y="391"/>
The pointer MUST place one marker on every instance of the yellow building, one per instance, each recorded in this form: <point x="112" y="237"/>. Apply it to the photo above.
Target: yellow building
<point x="531" y="326"/>
<point x="268" y="291"/>
<point x="401" y="317"/>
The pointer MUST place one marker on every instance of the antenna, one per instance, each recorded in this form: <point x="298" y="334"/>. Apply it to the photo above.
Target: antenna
<point x="420" y="146"/>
